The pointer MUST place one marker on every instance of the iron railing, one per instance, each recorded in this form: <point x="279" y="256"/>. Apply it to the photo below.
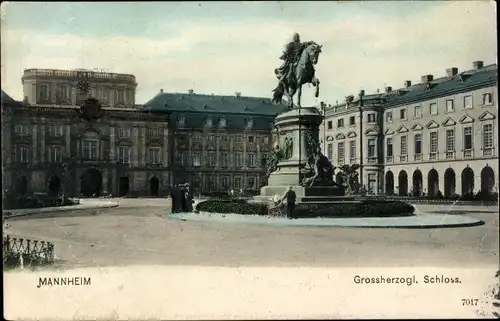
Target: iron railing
<point x="33" y="252"/>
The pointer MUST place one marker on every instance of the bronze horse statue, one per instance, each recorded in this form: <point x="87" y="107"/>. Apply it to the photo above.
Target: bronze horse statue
<point x="302" y="72"/>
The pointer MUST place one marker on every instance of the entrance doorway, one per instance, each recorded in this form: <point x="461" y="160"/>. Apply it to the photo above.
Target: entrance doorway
<point x="433" y="183"/>
<point x="403" y="183"/>
<point x="389" y="183"/>
<point x="449" y="182"/>
<point x="54" y="185"/>
<point x="124" y="186"/>
<point x="417" y="183"/>
<point x="487" y="180"/>
<point x="154" y="186"/>
<point x="467" y="181"/>
<point x="91" y="183"/>
<point x="21" y="186"/>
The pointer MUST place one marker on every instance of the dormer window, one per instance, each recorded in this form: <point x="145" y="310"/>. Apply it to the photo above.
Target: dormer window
<point x="208" y="122"/>
<point x="249" y="123"/>
<point x="487" y="99"/>
<point x="181" y="121"/>
<point x="222" y="122"/>
<point x="429" y="86"/>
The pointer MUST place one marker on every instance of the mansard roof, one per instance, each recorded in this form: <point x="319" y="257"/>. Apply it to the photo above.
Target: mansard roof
<point x="213" y="104"/>
<point x="440" y="87"/>
<point x="465" y="81"/>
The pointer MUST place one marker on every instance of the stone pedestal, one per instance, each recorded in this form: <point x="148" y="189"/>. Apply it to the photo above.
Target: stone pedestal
<point x="296" y="124"/>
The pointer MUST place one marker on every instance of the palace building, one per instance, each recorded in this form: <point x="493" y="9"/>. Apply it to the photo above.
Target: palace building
<point x="218" y="142"/>
<point x="435" y="136"/>
<point x="51" y="144"/>
<point x="49" y="147"/>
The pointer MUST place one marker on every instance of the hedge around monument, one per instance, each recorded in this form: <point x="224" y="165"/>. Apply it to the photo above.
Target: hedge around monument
<point x="333" y="210"/>
<point x="232" y="206"/>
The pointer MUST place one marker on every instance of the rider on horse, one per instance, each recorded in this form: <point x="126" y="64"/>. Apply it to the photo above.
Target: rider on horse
<point x="291" y="56"/>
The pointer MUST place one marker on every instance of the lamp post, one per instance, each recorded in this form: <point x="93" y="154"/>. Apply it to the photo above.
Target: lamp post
<point x="361" y="94"/>
<point x="323" y="110"/>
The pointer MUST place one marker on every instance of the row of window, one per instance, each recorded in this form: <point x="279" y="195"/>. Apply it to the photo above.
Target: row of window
<point x="53" y="130"/>
<point x="89" y="152"/>
<point x="21" y="155"/>
<point x="226" y="138"/>
<point x="124" y="155"/>
<point x="64" y="92"/>
<point x="223" y="182"/>
<point x="371" y="117"/>
<point x="433" y="108"/>
<point x="181" y="121"/>
<point x="125" y="133"/>
<point x="417" y="111"/>
<point x="487" y="141"/>
<point x="225" y="159"/>
<point x="468" y="141"/>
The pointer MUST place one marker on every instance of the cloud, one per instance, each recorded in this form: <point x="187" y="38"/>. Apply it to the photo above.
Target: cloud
<point x="363" y="51"/>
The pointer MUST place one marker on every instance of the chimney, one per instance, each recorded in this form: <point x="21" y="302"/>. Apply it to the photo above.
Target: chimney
<point x="388" y="89"/>
<point x="161" y="91"/>
<point x="477" y="65"/>
<point x="190" y="91"/>
<point x="407" y="83"/>
<point x="427" y="78"/>
<point x="450" y="72"/>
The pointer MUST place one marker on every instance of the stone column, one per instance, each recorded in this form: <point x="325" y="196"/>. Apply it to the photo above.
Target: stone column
<point x="112" y="147"/>
<point x="244" y="153"/>
<point x="165" y="152"/>
<point x="42" y="140"/>
<point x="135" y="140"/>
<point x="35" y="155"/>
<point x="143" y="147"/>
<point x="67" y="152"/>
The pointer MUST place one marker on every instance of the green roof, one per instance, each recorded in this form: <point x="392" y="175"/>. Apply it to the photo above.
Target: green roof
<point x="462" y="82"/>
<point x="440" y="87"/>
<point x="212" y="104"/>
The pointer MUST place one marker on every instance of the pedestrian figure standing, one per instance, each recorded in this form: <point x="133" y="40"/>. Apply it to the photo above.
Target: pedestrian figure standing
<point x="175" y="200"/>
<point x="291" y="198"/>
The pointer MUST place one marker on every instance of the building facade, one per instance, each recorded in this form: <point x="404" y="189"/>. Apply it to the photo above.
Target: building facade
<point x="218" y="143"/>
<point x="49" y="147"/>
<point x="438" y="136"/>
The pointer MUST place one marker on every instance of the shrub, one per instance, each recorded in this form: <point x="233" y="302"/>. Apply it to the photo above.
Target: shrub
<point x="366" y="208"/>
<point x="236" y="206"/>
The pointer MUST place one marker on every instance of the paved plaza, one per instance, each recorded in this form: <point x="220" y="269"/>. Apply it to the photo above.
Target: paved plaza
<point x="138" y="232"/>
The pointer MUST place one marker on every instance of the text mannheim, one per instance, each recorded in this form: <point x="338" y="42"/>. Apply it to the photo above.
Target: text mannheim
<point x="435" y="136"/>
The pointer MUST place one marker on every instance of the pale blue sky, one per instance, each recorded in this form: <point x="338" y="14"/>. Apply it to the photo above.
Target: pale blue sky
<point x="223" y="47"/>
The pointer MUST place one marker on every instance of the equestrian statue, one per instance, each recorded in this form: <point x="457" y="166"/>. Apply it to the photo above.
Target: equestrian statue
<point x="297" y="69"/>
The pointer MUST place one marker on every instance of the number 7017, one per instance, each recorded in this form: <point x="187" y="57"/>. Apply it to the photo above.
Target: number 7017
<point x="467" y="302"/>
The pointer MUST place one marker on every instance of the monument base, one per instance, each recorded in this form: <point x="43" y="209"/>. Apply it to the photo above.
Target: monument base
<point x="294" y="126"/>
<point x="319" y="194"/>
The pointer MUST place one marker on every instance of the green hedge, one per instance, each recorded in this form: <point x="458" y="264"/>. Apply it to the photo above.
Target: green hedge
<point x="34" y="202"/>
<point x="235" y="206"/>
<point x="369" y="208"/>
<point x="364" y="209"/>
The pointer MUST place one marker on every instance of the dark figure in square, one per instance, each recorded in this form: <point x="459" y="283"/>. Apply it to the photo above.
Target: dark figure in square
<point x="189" y="199"/>
<point x="175" y="199"/>
<point x="291" y="198"/>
